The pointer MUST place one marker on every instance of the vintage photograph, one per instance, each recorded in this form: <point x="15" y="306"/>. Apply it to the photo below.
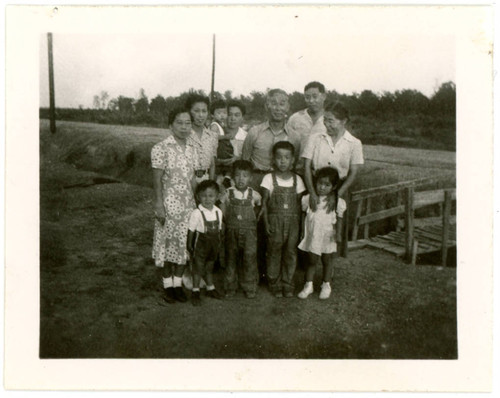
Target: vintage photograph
<point x="249" y="183"/>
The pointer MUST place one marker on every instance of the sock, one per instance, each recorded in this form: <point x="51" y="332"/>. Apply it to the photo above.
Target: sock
<point x="167" y="282"/>
<point x="177" y="281"/>
<point x="211" y="287"/>
<point x="309" y="283"/>
<point x="196" y="289"/>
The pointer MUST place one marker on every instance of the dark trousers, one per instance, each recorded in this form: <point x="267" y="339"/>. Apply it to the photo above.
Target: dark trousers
<point x="282" y="252"/>
<point x="241" y="241"/>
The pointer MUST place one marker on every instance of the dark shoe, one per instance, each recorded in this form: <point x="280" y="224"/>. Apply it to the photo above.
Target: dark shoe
<point x="214" y="294"/>
<point x="250" y="295"/>
<point x="169" y="295"/>
<point x="179" y="294"/>
<point x="195" y="298"/>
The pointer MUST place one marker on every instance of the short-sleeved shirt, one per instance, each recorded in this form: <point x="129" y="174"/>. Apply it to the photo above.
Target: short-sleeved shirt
<point x="341" y="205"/>
<point x="259" y="142"/>
<point x="346" y="152"/>
<point x="206" y="147"/>
<point x="302" y="123"/>
<point x="256" y="198"/>
<point x="267" y="182"/>
<point x="196" y="219"/>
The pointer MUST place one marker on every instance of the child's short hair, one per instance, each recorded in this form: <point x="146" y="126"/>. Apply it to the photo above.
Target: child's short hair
<point x="207" y="184"/>
<point x="195" y="98"/>
<point x="219" y="104"/>
<point x="283" y="145"/>
<point x="176" y="112"/>
<point x="243" y="165"/>
<point x="330" y="173"/>
<point x="237" y="104"/>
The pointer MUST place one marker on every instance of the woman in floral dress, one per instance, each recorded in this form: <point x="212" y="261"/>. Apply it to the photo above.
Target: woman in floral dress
<point x="173" y="162"/>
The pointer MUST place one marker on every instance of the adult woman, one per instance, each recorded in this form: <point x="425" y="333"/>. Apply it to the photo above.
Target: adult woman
<point x="205" y="139"/>
<point x="173" y="162"/>
<point x="335" y="148"/>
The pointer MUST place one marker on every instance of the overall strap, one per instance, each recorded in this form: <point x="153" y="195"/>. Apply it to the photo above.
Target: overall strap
<point x="275" y="182"/>
<point x="204" y="220"/>
<point x="250" y="193"/>
<point x="217" y="218"/>
<point x="295" y="181"/>
<point x="231" y="193"/>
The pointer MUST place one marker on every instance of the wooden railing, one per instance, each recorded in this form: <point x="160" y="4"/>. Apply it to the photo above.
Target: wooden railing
<point x="407" y="201"/>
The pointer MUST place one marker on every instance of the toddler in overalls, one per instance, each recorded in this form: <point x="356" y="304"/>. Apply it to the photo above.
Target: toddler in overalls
<point x="204" y="239"/>
<point x="241" y="206"/>
<point x="282" y="190"/>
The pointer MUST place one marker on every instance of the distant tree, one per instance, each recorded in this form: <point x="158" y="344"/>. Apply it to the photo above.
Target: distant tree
<point x="113" y="104"/>
<point x="97" y="102"/>
<point x="125" y="105"/>
<point x="142" y="104"/>
<point x="104" y="98"/>
<point x="444" y="99"/>
<point x="297" y="101"/>
<point x="257" y="104"/>
<point x="386" y="104"/>
<point x="410" y="102"/>
<point x="368" y="102"/>
<point x="158" y="105"/>
<point x="228" y="95"/>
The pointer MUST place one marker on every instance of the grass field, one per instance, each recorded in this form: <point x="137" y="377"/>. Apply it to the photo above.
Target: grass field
<point x="101" y="294"/>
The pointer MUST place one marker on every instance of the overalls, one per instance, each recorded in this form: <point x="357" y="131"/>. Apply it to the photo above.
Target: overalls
<point x="241" y="235"/>
<point x="207" y="244"/>
<point x="284" y="219"/>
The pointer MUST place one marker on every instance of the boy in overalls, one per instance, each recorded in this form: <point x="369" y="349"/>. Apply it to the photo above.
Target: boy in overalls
<point x="204" y="239"/>
<point x="241" y="207"/>
<point x="282" y="190"/>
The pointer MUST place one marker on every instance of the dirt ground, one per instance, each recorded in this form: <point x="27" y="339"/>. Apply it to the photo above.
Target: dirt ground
<point x="101" y="296"/>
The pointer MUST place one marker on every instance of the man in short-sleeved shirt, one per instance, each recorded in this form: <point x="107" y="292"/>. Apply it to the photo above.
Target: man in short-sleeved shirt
<point x="257" y="147"/>
<point x="347" y="151"/>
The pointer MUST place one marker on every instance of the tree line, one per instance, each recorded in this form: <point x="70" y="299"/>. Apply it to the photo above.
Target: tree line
<point x="408" y="105"/>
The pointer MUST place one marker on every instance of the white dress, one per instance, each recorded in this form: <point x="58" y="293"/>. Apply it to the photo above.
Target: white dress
<point x="319" y="234"/>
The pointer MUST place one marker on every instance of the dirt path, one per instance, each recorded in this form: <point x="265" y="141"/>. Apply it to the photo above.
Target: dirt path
<point x="101" y="296"/>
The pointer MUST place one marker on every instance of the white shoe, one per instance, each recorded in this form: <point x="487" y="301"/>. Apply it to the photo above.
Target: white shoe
<point x="325" y="291"/>
<point x="308" y="289"/>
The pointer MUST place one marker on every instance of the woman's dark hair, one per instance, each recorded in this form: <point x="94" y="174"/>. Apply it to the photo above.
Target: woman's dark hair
<point x="195" y="98"/>
<point x="237" y="104"/>
<point x="283" y="145"/>
<point x="219" y="104"/>
<point x="243" y="165"/>
<point x="330" y="173"/>
<point x="339" y="111"/>
<point x="206" y="184"/>
<point x="177" y="111"/>
<point x="317" y="85"/>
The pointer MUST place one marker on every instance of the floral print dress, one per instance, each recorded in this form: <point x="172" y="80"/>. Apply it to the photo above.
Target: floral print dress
<point x="169" y="243"/>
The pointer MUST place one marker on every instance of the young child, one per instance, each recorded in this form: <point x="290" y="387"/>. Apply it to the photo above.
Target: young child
<point x="282" y="190"/>
<point x="241" y="206"/>
<point x="204" y="238"/>
<point x="322" y="231"/>
<point x="218" y="111"/>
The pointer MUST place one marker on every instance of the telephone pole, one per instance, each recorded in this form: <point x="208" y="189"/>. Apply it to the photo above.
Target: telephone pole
<point x="52" y="111"/>
<point x="213" y="69"/>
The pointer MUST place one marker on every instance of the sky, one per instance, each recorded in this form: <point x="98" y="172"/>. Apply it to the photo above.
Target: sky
<point x="171" y="63"/>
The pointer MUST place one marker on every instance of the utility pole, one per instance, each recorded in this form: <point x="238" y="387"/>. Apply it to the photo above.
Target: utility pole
<point x="213" y="70"/>
<point x="52" y="111"/>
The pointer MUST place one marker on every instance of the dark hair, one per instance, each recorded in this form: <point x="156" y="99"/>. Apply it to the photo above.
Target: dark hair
<point x="275" y="91"/>
<point x="195" y="98"/>
<point x="243" y="165"/>
<point x="237" y="104"/>
<point x="339" y="111"/>
<point x="330" y="173"/>
<point x="283" y="145"/>
<point x="219" y="104"/>
<point x="206" y="184"/>
<point x="317" y="85"/>
<point x="177" y="111"/>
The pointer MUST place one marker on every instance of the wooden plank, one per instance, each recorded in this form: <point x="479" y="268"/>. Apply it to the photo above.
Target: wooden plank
<point x="408" y="221"/>
<point x="366" y="231"/>
<point x="380" y="215"/>
<point x="385" y="189"/>
<point x="388" y="240"/>
<point x="357" y="244"/>
<point x="426" y="242"/>
<point x="426" y="198"/>
<point x="399" y="202"/>
<point x="430" y="235"/>
<point x="414" y="252"/>
<point x="446" y="227"/>
<point x="399" y="251"/>
<point x="344" y="248"/>
<point x="359" y="206"/>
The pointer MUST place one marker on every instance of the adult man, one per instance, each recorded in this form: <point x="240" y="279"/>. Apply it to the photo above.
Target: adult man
<point x="259" y="142"/>
<point x="310" y="120"/>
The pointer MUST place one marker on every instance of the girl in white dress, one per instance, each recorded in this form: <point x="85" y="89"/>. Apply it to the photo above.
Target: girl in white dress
<point x="322" y="231"/>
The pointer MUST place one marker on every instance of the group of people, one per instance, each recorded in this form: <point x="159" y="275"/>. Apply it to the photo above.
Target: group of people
<point x="251" y="199"/>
